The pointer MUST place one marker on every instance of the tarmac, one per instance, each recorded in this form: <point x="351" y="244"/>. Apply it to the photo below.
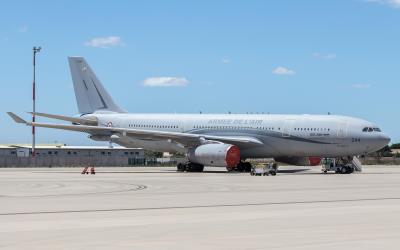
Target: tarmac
<point x="158" y="208"/>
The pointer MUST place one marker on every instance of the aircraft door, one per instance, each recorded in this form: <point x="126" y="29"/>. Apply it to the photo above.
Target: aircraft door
<point x="342" y="130"/>
<point x="287" y="128"/>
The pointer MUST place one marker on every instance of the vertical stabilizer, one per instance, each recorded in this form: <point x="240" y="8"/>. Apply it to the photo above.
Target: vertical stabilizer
<point x="89" y="92"/>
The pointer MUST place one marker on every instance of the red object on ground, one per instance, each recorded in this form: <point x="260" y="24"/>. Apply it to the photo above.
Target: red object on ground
<point x="85" y="170"/>
<point x="92" y="171"/>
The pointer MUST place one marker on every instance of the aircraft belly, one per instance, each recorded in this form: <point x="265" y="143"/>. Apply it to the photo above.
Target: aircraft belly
<point x="307" y="149"/>
<point x="274" y="146"/>
<point x="295" y="146"/>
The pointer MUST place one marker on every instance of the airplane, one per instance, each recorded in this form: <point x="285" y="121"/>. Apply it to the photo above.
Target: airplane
<point x="220" y="140"/>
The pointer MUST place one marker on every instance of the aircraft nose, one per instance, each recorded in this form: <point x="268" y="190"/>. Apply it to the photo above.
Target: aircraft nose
<point x="377" y="142"/>
<point x="383" y="140"/>
<point x="386" y="139"/>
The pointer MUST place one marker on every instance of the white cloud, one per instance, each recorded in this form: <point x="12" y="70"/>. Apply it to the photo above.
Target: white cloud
<point x="166" y="81"/>
<point x="392" y="3"/>
<point x="361" y="86"/>
<point x="23" y="29"/>
<point x="283" y="71"/>
<point x="225" y="60"/>
<point x="105" y="42"/>
<point x="324" y="56"/>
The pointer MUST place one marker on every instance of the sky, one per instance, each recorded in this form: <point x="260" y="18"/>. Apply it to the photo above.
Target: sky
<point x="291" y="57"/>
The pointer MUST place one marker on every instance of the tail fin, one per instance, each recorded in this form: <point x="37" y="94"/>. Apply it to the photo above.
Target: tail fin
<point x="90" y="94"/>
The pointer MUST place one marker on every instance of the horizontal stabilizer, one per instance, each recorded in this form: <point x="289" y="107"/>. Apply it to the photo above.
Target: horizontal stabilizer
<point x="16" y="118"/>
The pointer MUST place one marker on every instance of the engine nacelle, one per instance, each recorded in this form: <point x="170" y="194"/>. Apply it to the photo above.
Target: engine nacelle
<point x="300" y="161"/>
<point x="215" y="154"/>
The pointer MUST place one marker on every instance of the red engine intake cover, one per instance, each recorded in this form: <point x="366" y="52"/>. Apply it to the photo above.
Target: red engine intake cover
<point x="232" y="156"/>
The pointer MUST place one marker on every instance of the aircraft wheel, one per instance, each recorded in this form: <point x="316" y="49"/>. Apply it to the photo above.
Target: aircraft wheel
<point x="194" y="167"/>
<point x="181" y="167"/>
<point x="240" y="167"/>
<point x="247" y="167"/>
<point x="200" y="168"/>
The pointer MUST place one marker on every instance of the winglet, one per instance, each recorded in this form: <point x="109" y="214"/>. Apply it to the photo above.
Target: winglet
<point x="16" y="118"/>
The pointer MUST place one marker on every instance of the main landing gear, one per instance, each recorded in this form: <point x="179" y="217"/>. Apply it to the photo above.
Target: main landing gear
<point x="247" y="167"/>
<point x="243" y="166"/>
<point x="190" y="167"/>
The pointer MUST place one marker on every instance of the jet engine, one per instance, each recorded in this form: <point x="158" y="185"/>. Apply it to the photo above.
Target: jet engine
<point x="300" y="161"/>
<point x="215" y="154"/>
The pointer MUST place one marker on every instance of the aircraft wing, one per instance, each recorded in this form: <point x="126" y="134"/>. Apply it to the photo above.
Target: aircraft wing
<point x="66" y="118"/>
<point x="186" y="139"/>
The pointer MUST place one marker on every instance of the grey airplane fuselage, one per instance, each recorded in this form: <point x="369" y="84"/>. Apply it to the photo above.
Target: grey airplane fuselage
<point x="281" y="135"/>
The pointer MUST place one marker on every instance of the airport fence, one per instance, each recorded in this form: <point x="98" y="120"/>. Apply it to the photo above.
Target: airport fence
<point x="82" y="161"/>
<point x="380" y="161"/>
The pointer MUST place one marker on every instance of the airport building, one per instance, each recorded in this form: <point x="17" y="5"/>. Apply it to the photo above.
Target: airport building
<point x="69" y="156"/>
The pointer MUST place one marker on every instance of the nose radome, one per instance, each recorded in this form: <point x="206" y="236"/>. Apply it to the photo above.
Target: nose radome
<point x="386" y="139"/>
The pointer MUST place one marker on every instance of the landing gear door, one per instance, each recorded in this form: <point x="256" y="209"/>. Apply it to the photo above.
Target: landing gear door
<point x="342" y="130"/>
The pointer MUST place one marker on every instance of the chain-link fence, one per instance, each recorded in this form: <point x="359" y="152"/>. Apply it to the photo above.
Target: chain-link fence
<point x="82" y="161"/>
<point x="61" y="161"/>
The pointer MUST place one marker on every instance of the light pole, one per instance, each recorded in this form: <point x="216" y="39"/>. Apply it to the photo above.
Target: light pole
<point x="35" y="50"/>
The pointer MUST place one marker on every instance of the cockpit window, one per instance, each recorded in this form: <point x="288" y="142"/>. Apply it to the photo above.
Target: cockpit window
<point x="369" y="129"/>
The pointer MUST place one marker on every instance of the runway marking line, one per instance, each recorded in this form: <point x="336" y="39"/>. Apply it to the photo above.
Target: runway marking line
<point x="198" y="206"/>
